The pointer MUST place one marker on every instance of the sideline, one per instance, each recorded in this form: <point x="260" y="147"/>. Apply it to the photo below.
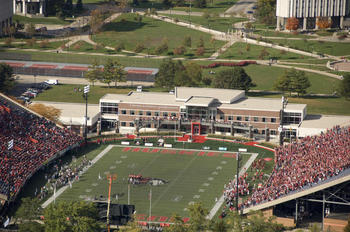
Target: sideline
<point x="219" y="203"/>
<point x="64" y="188"/>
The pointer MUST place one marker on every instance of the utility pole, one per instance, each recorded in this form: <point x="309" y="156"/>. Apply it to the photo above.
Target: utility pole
<point x="86" y="90"/>
<point x="110" y="178"/>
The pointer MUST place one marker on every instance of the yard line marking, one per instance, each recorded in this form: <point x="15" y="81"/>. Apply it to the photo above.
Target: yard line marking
<point x="174" y="181"/>
<point x="218" y="204"/>
<point x="64" y="188"/>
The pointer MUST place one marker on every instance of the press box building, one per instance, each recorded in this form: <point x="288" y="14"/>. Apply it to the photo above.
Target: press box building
<point x="199" y="111"/>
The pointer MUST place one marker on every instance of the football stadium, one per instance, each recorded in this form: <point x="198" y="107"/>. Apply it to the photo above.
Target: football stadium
<point x="159" y="176"/>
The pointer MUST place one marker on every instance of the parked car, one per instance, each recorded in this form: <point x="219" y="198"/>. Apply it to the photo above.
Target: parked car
<point x="52" y="82"/>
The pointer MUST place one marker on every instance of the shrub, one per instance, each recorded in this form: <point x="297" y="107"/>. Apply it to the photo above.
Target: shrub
<point x="119" y="47"/>
<point x="139" y="48"/>
<point x="161" y="48"/>
<point x="77" y="46"/>
<point x="8" y="42"/>
<point x="200" y="51"/>
<point x="44" y="44"/>
<point x="179" y="50"/>
<point x="31" y="42"/>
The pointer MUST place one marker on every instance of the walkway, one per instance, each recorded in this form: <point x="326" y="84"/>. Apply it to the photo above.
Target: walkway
<point x="219" y="203"/>
<point x="64" y="188"/>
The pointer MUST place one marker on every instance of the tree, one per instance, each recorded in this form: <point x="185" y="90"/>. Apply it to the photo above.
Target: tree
<point x="94" y="73"/>
<point x="7" y="82"/>
<point x="71" y="216"/>
<point x="96" y="20"/>
<point x="163" y="47"/>
<point x="258" y="223"/>
<point x="324" y="22"/>
<point x="299" y="82"/>
<point x="31" y="227"/>
<point x="200" y="3"/>
<point x="292" y="24"/>
<point x="198" y="221"/>
<point x="113" y="72"/>
<point x="30" y="30"/>
<point x="29" y="209"/>
<point x="179" y="2"/>
<point x="187" y="41"/>
<point x="194" y="73"/>
<point x="235" y="78"/>
<point x="266" y="11"/>
<point x="282" y="83"/>
<point x="263" y="53"/>
<point x="177" y="226"/>
<point x="200" y="42"/>
<point x="68" y="8"/>
<point x="206" y="15"/>
<point x="79" y="7"/>
<point x="48" y="112"/>
<point x="167" y="3"/>
<point x="166" y="74"/>
<point x="344" y="87"/>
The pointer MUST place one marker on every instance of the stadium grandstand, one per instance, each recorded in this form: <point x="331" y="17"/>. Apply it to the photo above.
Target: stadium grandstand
<point x="309" y="175"/>
<point x="27" y="142"/>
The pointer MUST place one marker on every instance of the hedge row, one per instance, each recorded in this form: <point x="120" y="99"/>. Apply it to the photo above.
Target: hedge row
<point x="231" y="64"/>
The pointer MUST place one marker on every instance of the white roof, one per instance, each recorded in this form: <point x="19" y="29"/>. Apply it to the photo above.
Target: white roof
<point x="199" y="101"/>
<point x="223" y="95"/>
<point x="266" y="104"/>
<point x="325" y="121"/>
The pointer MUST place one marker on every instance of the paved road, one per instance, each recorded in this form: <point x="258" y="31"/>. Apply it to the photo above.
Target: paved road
<point x="242" y="6"/>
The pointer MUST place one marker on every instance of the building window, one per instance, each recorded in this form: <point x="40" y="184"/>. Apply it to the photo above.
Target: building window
<point x="256" y="131"/>
<point x="131" y="124"/>
<point x="173" y="114"/>
<point x="230" y="118"/>
<point x="246" y="118"/>
<point x="132" y="112"/>
<point x="123" y="111"/>
<point x="148" y="113"/>
<point x="263" y="119"/>
<point x="140" y="112"/>
<point x="156" y="113"/>
<point x="165" y="114"/>
<point x="109" y="108"/>
<point x="273" y="119"/>
<point x="263" y="132"/>
<point x="273" y="132"/>
<point x="222" y="116"/>
<point x="256" y="119"/>
<point x="123" y="124"/>
<point x="239" y="118"/>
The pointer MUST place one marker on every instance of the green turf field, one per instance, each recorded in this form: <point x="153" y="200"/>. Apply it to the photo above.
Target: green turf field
<point x="192" y="177"/>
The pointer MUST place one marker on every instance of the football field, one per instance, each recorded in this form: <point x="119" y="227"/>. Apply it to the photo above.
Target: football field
<point x="189" y="176"/>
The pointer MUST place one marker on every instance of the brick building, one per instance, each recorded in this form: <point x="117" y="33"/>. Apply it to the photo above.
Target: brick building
<point x="199" y="111"/>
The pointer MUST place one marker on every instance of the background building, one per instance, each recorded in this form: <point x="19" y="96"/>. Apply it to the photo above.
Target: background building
<point x="6" y="13"/>
<point x="308" y="12"/>
<point x="29" y="7"/>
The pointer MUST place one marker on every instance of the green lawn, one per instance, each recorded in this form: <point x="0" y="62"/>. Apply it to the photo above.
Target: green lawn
<point x="330" y="48"/>
<point x="188" y="177"/>
<point x="125" y="29"/>
<point x="272" y="33"/>
<point x="213" y="6"/>
<point x="264" y="77"/>
<point x="82" y="46"/>
<point x="216" y="23"/>
<point x="38" y="45"/>
<point x="96" y="92"/>
<point x="76" y="58"/>
<point x="238" y="51"/>
<point x="41" y="20"/>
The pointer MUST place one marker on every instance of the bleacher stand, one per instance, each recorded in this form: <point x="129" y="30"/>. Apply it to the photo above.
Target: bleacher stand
<point x="36" y="141"/>
<point x="304" y="164"/>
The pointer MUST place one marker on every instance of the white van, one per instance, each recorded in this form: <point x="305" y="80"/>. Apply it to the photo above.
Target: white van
<point x="52" y="82"/>
<point x="139" y="88"/>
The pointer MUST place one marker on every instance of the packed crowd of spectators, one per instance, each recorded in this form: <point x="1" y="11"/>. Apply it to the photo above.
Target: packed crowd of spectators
<point x="63" y="175"/>
<point x="305" y="163"/>
<point x="35" y="141"/>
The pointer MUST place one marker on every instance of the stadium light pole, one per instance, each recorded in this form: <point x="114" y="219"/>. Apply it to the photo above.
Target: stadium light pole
<point x="9" y="148"/>
<point x="110" y="178"/>
<point x="86" y="91"/>
<point x="280" y="128"/>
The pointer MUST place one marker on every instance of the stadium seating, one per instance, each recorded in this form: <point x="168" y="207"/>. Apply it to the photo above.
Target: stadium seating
<point x="304" y="164"/>
<point x="36" y="141"/>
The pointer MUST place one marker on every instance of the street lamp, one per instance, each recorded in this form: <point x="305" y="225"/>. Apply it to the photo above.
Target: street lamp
<point x="86" y="90"/>
<point x="280" y="128"/>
